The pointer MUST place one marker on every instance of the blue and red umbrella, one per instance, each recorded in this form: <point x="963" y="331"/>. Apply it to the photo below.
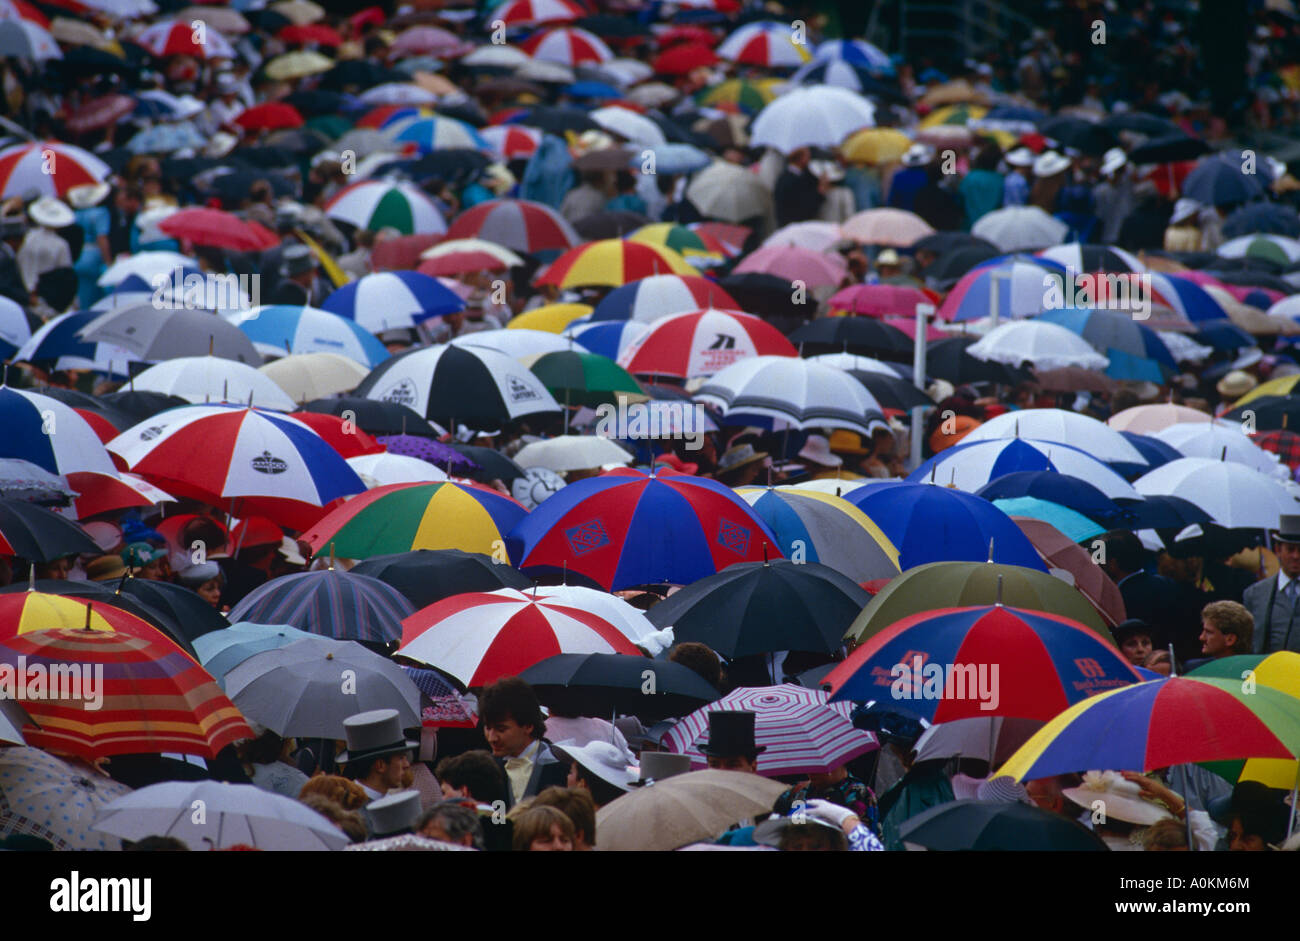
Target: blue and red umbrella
<point x="962" y="663"/>
<point x="628" y="528"/>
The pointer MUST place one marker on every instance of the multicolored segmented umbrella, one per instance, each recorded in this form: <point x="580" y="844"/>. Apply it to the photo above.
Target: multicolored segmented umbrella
<point x="749" y="97"/>
<point x="25" y="167"/>
<point x="517" y="224"/>
<point x="962" y="663"/>
<point x="482" y="636"/>
<point x="1280" y="671"/>
<point x="627" y="528"/>
<point x="402" y="517"/>
<point x="30" y="611"/>
<point x="696" y="247"/>
<point x="120" y="695"/>
<point x="612" y="262"/>
<point x="648" y="299"/>
<point x="702" y="343"/>
<point x="329" y="602"/>
<point x="437" y="133"/>
<point x="379" y="204"/>
<point x="1162" y="723"/>
<point x="801" y="731"/>
<point x="567" y="46"/>
<point x="512" y="141"/>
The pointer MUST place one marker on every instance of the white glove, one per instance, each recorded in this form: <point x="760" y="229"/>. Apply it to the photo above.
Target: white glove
<point x="828" y="812"/>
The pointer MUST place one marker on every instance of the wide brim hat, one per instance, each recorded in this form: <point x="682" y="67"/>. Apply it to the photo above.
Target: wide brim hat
<point x="817" y="449"/>
<point x="87" y="195"/>
<point x="843" y="441"/>
<point x="51" y="212"/>
<point x="1020" y="157"/>
<point x="1184" y="209"/>
<point x="1050" y="164"/>
<point x="737" y="457"/>
<point x="918" y="155"/>
<point x="1120" y="799"/>
<point x="105" y="568"/>
<point x="1236" y="384"/>
<point x="603" y="759"/>
<point x="1112" y="160"/>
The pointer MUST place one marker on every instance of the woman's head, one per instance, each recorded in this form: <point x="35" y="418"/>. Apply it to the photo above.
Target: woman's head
<point x="543" y="829"/>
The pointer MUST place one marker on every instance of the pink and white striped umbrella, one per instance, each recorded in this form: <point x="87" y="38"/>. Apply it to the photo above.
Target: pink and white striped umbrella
<point x="802" y="732"/>
<point x="49" y="166"/>
<point x="480" y="637"/>
<point x="567" y="45"/>
<point x="528" y="12"/>
<point x="703" y="342"/>
<point x="178" y="38"/>
<point x="511" y="141"/>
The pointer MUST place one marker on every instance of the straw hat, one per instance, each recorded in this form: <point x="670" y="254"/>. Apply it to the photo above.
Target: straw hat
<point x="1236" y="384"/>
<point x="51" y="212"/>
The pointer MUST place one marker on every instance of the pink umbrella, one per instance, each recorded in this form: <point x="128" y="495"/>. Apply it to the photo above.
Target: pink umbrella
<point x="817" y="236"/>
<point x="896" y="227"/>
<point x="881" y="300"/>
<point x="814" y="269"/>
<point x="429" y="41"/>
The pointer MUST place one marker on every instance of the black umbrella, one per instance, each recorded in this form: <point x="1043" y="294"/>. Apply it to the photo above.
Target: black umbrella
<point x="1270" y="412"/>
<point x="863" y="336"/>
<point x="610" y="224"/>
<point x="1217" y="181"/>
<point x="428" y="575"/>
<point x="984" y="825"/>
<point x="1254" y="277"/>
<point x="761" y="607"/>
<point x="39" y="535"/>
<point x="298" y="140"/>
<point x="1168" y="149"/>
<point x="492" y="465"/>
<point x="558" y="120"/>
<point x="1140" y="122"/>
<point x="1161" y="511"/>
<point x="948" y="268"/>
<point x="508" y="87"/>
<point x="891" y="391"/>
<point x="316" y="102"/>
<point x="948" y="359"/>
<point x="598" y="684"/>
<point x="191" y="614"/>
<point x="1083" y="136"/>
<point x="141" y="405"/>
<point x="118" y="418"/>
<point x="357" y="73"/>
<point x="266" y="157"/>
<point x="620" y="27"/>
<point x="941" y="243"/>
<point x="1263" y="218"/>
<point x="453" y="165"/>
<point x="375" y="417"/>
<point x="769" y="296"/>
<point x="467" y="111"/>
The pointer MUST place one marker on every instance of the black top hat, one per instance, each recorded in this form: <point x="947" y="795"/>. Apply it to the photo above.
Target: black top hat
<point x="374" y="734"/>
<point x="1288" y="528"/>
<point x="731" y="733"/>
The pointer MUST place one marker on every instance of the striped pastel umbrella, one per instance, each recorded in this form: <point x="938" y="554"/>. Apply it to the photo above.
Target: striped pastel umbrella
<point x="392" y="300"/>
<point x="512" y="141"/>
<point x="328" y="602"/>
<point x="518" y="224"/>
<point x="1280" y="671"/>
<point x="402" y="517"/>
<point x="480" y="637"/>
<point x="767" y="43"/>
<point x="702" y="343"/>
<point x="437" y="133"/>
<point x="612" y="262"/>
<point x="648" y="299"/>
<point x="1162" y="723"/>
<point x="155" y="698"/>
<point x="379" y="204"/>
<point x="50" y="167"/>
<point x="626" y="528"/>
<point x="279" y="328"/>
<point x="819" y="527"/>
<point x="567" y="46"/>
<point x="963" y="663"/>
<point x="801" y="732"/>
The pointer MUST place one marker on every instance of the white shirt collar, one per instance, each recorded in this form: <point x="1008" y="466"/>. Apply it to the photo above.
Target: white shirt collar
<point x="1282" y="580"/>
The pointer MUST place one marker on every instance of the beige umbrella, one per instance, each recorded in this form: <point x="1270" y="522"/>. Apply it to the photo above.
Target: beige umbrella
<point x="223" y="19"/>
<point x="1148" y="419"/>
<point x="299" y="12"/>
<point x="687" y="808"/>
<point x="952" y="93"/>
<point x="729" y="192"/>
<point x="308" y="376"/>
<point x="435" y="84"/>
<point x="299" y="64"/>
<point x="1251" y="319"/>
<point x="75" y="32"/>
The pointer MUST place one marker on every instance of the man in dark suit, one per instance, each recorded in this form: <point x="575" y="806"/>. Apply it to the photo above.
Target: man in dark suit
<point x="513" y="725"/>
<point x="1274" y="602"/>
<point x="1148" y="597"/>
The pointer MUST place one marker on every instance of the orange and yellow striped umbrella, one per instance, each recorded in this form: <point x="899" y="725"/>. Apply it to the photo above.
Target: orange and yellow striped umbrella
<point x="612" y="263"/>
<point x="31" y="611"/>
<point x="553" y="318"/>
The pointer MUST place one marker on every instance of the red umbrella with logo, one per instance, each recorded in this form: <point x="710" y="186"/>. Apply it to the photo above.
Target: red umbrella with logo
<point x="701" y="343"/>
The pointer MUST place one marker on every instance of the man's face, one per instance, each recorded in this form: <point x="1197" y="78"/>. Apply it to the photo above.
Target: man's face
<point x="1136" y="648"/>
<point x="732" y="763"/>
<point x="508" y="738"/>
<point x="450" y="793"/>
<point x="435" y="832"/>
<point x="556" y="842"/>
<point x="1288" y="556"/>
<point x="1241" y="843"/>
<point x="1214" y="643"/>
<point x="392" y="769"/>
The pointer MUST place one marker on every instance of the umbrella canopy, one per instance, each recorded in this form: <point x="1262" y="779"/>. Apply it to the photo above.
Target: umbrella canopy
<point x="765" y="43"/>
<point x="584" y="378"/>
<point x="151" y="698"/>
<point x="859" y="335"/>
<point x="392" y="300"/>
<point x="895" y="227"/>
<point x="568" y="46"/>
<point x="367" y="416"/>
<point x="92" y="607"/>
<point x="40" y="535"/>
<point x="703" y="343"/>
<point x="627" y="528"/>
<point x="24" y="167"/>
<point x="814" y="269"/>
<point x="649" y="299"/>
<point x="1045" y="345"/>
<point x="800" y="392"/>
<point x="480" y="637"/>
<point x="1135" y="351"/>
<point x="1278" y="671"/>
<point x="403" y="517"/>
<point x="220" y="229"/>
<point x="683" y="809"/>
<point x="378" y="470"/>
<point x="1147" y="419"/>
<point x="593" y="683"/>
<point x="45" y="432"/>
<point x="771" y="606"/>
<point x="278" y="328"/>
<point x="985" y="826"/>
<point x="156" y="335"/>
<point x="571" y="453"/>
<point x="727" y="192"/>
<point x="970" y="465"/>
<point x="1220" y="180"/>
<point x="1055" y="424"/>
<point x="378" y="204"/>
<point x="222" y="651"/>
<point x="517" y="224"/>
<point x="306" y="376"/>
<point x="801" y="732"/>
<point x="234" y="815"/>
<point x="820" y="527"/>
<point x="310" y="686"/>
<point x="54" y="799"/>
<point x="1020" y="229"/>
<point x="1089" y="578"/>
<point x="426" y="576"/>
<point x="330" y="603"/>
<point x="811" y="116"/>
<point x="1203" y="439"/>
<point x="1235" y="496"/>
<point x="963" y="663"/>
<point x="612" y="262"/>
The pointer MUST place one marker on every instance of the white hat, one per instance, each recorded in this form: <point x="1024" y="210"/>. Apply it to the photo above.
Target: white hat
<point x="818" y="450"/>
<point x="918" y="155"/>
<point x="603" y="759"/>
<point x="1020" y="157"/>
<point x="826" y="168"/>
<point x="146" y="223"/>
<point x="1112" y="160"/>
<point x="1120" y="799"/>
<point x="289" y="552"/>
<point x="1050" y="163"/>
<point x="221" y="143"/>
<point x="1248" y="357"/>
<point x="87" y="195"/>
<point x="51" y="212"/>
<point x="1184" y="209"/>
<point x="187" y="106"/>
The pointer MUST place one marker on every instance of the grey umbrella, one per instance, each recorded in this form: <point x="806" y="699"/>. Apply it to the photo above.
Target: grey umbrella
<point x="309" y="687"/>
<point x="12" y="719"/>
<point x="157" y="335"/>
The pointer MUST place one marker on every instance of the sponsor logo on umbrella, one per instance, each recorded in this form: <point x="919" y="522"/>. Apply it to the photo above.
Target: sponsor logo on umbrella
<point x="733" y="536"/>
<point x="403" y="393"/>
<point x="587" y="536"/>
<point x="151" y="432"/>
<point x="519" y="390"/>
<point x="723" y="342"/>
<point x="267" y="463"/>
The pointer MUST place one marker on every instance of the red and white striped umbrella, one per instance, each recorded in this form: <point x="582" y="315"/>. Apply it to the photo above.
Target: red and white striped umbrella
<point x="804" y="734"/>
<point x="703" y="342"/>
<point x="177" y="38"/>
<point x="766" y="43"/>
<point x="22" y="10"/>
<point x="512" y="141"/>
<point x="25" y="39"/>
<point x="49" y="166"/>
<point x="517" y="224"/>
<point x="660" y="295"/>
<point x="480" y="637"/>
<point x="104" y="493"/>
<point x="528" y="12"/>
<point x="567" y="45"/>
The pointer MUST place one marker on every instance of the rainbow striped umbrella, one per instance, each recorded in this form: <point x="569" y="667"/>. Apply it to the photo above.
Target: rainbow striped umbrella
<point x="1280" y="671"/>
<point x="1162" y="723"/>
<point x="801" y="731"/>
<point x="30" y="611"/>
<point x="962" y="663"/>
<point x="746" y="96"/>
<point x="154" y="698"/>
<point x="403" y="517"/>
<point x="698" y="248"/>
<point x="611" y="263"/>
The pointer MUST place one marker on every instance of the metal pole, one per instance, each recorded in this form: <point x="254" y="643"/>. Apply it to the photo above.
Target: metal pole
<point x="996" y="277"/>
<point x="923" y="312"/>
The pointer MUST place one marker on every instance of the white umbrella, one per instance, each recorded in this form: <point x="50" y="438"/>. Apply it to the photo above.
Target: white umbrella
<point x="970" y="465"/>
<point x="818" y="236"/>
<point x="453" y="246"/>
<point x="1186" y="350"/>
<point x="201" y="379"/>
<point x="146" y="265"/>
<point x="629" y="124"/>
<point x="1056" y="424"/>
<point x="378" y="470"/>
<point x="1020" y="229"/>
<point x="851" y="361"/>
<point x="215" y="815"/>
<point x="1233" y="494"/>
<point x="507" y="57"/>
<point x="1240" y="247"/>
<point x="308" y="376"/>
<point x="1046" y="345"/>
<point x="515" y="343"/>
<point x="728" y="192"/>
<point x="797" y="391"/>
<point x="1219" y="443"/>
<point x="571" y="453"/>
<point x="812" y="116"/>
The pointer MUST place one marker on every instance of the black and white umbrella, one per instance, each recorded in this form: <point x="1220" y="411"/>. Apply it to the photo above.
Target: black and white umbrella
<point x="802" y="393"/>
<point x="473" y="386"/>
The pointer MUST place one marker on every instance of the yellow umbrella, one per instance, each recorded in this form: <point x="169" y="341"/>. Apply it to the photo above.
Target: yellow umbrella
<point x="307" y="376"/>
<point x="951" y="93"/>
<point x="612" y="263"/>
<point x="1284" y="385"/>
<point x="552" y="318"/>
<point x="293" y="65"/>
<point x="875" y="146"/>
<point x="953" y="114"/>
<point x="299" y="12"/>
<point x="337" y="275"/>
<point x="1279" y="670"/>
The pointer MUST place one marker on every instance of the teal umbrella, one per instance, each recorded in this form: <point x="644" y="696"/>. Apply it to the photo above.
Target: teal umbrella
<point x="1070" y="522"/>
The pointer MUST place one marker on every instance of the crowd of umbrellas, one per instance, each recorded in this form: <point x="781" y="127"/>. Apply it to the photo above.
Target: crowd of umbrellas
<point x="685" y="378"/>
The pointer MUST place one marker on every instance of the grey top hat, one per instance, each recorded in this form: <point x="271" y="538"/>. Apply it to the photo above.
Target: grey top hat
<point x="394" y="813"/>
<point x="374" y="734"/>
<point x="1288" y="528"/>
<point x="658" y="765"/>
<point x="297" y="259"/>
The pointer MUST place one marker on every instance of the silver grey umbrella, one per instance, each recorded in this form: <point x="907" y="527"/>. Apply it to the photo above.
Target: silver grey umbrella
<point x="157" y="335"/>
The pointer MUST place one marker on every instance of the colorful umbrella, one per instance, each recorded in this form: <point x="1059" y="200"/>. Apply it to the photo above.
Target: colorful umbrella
<point x="766" y="43"/>
<point x="702" y="343"/>
<point x="881" y="300"/>
<point x="649" y="299"/>
<point x="330" y="603"/>
<point x="610" y="263"/>
<point x="1071" y="428"/>
<point x="1011" y="288"/>
<point x="437" y="133"/>
<point x="1280" y="671"/>
<point x="746" y="96"/>
<point x="584" y="378"/>
<point x="531" y="12"/>
<point x="552" y="318"/>
<point x="970" y="465"/>
<point x="402" y="517"/>
<point x="627" y="528"/>
<point x="875" y="146"/>
<point x="50" y="167"/>
<point x="567" y="46"/>
<point x="512" y="141"/>
<point x="392" y="300"/>
<point x="49" y="434"/>
<point x="697" y="248"/>
<point x="799" y="265"/>
<point x="176" y="38"/>
<point x="379" y="204"/>
<point x="518" y="224"/>
<point x="281" y="328"/>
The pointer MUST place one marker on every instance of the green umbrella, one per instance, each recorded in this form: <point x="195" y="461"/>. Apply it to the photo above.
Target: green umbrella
<point x="332" y="126"/>
<point x="961" y="584"/>
<point x="585" y="379"/>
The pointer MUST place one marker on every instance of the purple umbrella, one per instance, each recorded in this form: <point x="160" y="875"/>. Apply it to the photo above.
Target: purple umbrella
<point x="434" y="452"/>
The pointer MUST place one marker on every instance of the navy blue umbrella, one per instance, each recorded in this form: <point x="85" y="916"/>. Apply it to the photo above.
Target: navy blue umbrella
<point x="1219" y="181"/>
<point x="1154" y="450"/>
<point x="1262" y="218"/>
<point x="1072" y="492"/>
